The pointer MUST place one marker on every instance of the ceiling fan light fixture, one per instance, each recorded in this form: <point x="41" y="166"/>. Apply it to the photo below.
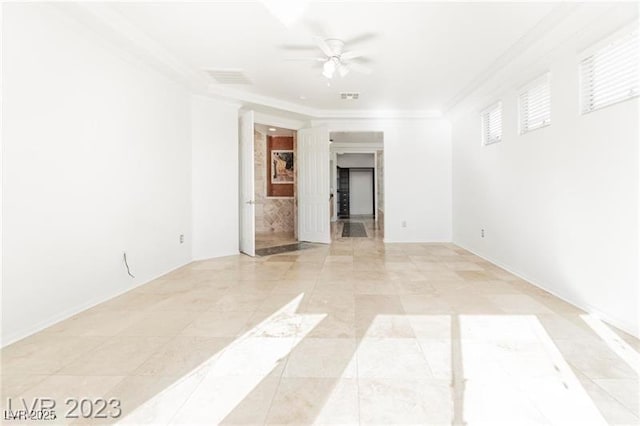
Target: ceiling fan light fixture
<point x="329" y="68"/>
<point x="343" y="70"/>
<point x="336" y="59"/>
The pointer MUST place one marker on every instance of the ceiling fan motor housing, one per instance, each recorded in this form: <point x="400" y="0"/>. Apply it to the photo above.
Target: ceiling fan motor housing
<point x="336" y="45"/>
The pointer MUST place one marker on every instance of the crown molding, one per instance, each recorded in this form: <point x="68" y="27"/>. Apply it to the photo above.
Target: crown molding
<point x="378" y="114"/>
<point x="115" y="28"/>
<point x="112" y="26"/>
<point x="581" y="27"/>
<point x="252" y="99"/>
<point x="542" y="27"/>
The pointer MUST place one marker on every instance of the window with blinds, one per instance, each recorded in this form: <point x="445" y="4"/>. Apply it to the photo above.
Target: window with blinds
<point x="534" y="105"/>
<point x="492" y="124"/>
<point x="611" y="74"/>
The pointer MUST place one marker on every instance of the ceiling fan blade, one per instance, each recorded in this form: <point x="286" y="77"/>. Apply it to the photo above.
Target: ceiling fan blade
<point x="323" y="46"/>
<point x="360" y="68"/>
<point x="360" y="39"/>
<point x="343" y="70"/>
<point x="351" y="55"/>
<point x="306" y="59"/>
<point x="316" y="27"/>
<point x="298" y="47"/>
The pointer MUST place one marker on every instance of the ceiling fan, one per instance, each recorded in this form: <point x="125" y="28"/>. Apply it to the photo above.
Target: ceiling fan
<point x="336" y="59"/>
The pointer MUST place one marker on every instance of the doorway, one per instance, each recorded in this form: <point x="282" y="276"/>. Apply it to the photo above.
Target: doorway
<point x="357" y="180"/>
<point x="356" y="192"/>
<point x="275" y="187"/>
<point x="356" y="184"/>
<point x="304" y="167"/>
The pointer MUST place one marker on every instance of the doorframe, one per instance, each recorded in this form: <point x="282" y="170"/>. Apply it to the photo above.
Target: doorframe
<point x="246" y="178"/>
<point x="334" y="151"/>
<point x="338" y="125"/>
<point x="275" y="121"/>
<point x="267" y="177"/>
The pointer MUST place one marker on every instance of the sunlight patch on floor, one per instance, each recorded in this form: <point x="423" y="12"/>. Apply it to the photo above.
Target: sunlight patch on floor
<point x="614" y="342"/>
<point x="243" y="366"/>
<point x="515" y="374"/>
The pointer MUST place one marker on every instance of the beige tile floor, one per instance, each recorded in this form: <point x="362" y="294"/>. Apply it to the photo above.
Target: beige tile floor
<point x="273" y="239"/>
<point x="358" y="332"/>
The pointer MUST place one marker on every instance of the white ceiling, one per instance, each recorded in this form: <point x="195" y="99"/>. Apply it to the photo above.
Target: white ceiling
<point x="422" y="54"/>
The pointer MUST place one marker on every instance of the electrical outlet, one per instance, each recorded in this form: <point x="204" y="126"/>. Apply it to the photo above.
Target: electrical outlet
<point x="482" y="233"/>
<point x="404" y="223"/>
<point x="181" y="238"/>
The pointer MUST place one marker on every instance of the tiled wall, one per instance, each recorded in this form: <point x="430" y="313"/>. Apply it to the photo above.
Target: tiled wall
<point x="272" y="214"/>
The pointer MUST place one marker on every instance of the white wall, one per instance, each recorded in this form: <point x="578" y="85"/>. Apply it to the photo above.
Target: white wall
<point x="361" y="192"/>
<point x="559" y="205"/>
<point x="417" y="175"/>
<point x="97" y="160"/>
<point x="417" y="181"/>
<point x="214" y="135"/>
<point x="356" y="160"/>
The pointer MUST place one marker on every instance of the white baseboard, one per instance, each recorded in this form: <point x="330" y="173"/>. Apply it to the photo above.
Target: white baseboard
<point x="388" y="241"/>
<point x="26" y="332"/>
<point x="632" y="329"/>
<point x="215" y="256"/>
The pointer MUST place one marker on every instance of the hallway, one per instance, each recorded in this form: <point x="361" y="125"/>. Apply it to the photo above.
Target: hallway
<point x="358" y="332"/>
<point x="369" y="228"/>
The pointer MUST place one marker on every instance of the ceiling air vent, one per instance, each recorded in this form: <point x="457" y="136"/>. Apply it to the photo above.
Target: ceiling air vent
<point x="229" y="76"/>
<point x="350" y="96"/>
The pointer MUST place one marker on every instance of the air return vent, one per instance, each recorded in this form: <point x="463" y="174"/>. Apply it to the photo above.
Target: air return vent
<point x="229" y="76"/>
<point x="350" y="96"/>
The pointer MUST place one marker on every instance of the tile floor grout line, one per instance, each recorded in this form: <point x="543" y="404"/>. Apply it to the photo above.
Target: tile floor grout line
<point x="355" y="355"/>
<point x="611" y="395"/>
<point x="277" y="387"/>
<point x="440" y="261"/>
<point x="191" y="393"/>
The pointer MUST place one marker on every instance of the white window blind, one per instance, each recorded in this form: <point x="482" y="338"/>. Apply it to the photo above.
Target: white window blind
<point x="535" y="105"/>
<point x="492" y="124"/>
<point x="611" y="74"/>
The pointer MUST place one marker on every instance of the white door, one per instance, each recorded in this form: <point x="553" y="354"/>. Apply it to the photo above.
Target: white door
<point x="247" y="194"/>
<point x="313" y="185"/>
